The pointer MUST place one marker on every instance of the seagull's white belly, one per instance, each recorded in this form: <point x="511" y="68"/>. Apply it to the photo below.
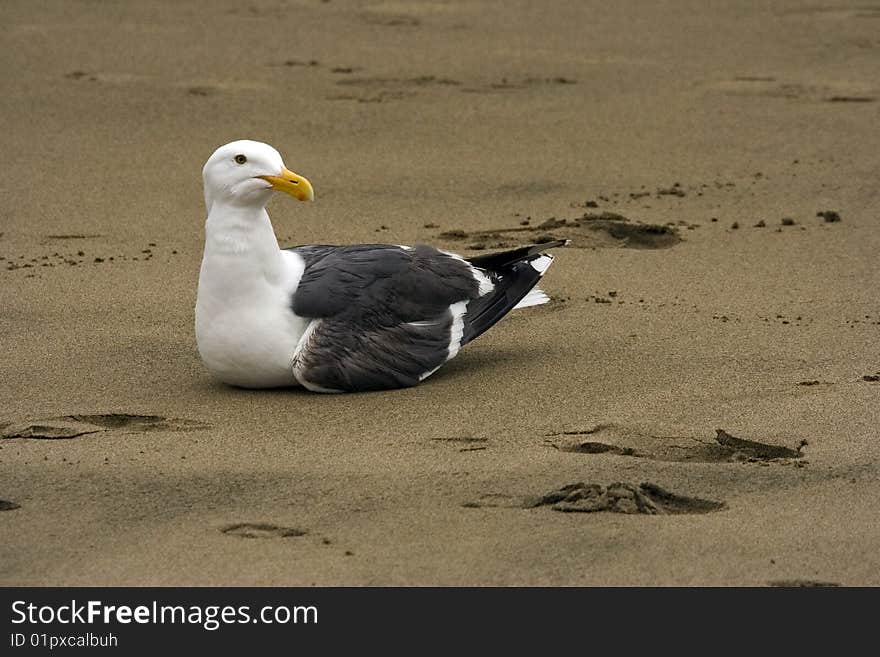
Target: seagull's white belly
<point x="247" y="334"/>
<point x="250" y="346"/>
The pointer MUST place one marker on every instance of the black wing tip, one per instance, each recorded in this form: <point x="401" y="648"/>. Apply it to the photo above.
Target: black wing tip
<point x="500" y="260"/>
<point x="512" y="283"/>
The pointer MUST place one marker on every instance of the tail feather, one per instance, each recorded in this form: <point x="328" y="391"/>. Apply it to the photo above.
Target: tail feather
<point x="514" y="274"/>
<point x="492" y="261"/>
<point x="535" y="297"/>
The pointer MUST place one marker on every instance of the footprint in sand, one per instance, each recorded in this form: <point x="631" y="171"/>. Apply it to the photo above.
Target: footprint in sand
<point x="81" y="75"/>
<point x="465" y="443"/>
<point x="645" y="498"/>
<point x="379" y="89"/>
<point x="74" y="426"/>
<point x="512" y="84"/>
<point x="800" y="583"/>
<point x="770" y="87"/>
<point x="386" y="83"/>
<point x="850" y="99"/>
<point x="201" y="91"/>
<point x="205" y="88"/>
<point x="761" y="86"/>
<point x="395" y="14"/>
<point x="74" y="236"/>
<point x="623" y="441"/>
<point x="591" y="230"/>
<point x="107" y="77"/>
<point x="833" y="13"/>
<point x="261" y="530"/>
<point x="381" y="96"/>
<point x="6" y="505"/>
<point x="394" y="21"/>
<point x="265" y="11"/>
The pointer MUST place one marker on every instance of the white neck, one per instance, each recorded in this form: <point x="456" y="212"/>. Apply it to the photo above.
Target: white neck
<point x="241" y="237"/>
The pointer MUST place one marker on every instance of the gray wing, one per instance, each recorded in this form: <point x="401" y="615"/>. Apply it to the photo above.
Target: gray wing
<point x="384" y="315"/>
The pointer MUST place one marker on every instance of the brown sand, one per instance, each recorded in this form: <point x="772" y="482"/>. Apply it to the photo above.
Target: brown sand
<point x="470" y="116"/>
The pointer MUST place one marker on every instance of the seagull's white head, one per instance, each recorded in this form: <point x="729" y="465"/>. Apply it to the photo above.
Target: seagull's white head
<point x="246" y="173"/>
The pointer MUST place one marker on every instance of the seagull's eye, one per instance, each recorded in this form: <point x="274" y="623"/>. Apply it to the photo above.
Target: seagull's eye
<point x="240" y="159"/>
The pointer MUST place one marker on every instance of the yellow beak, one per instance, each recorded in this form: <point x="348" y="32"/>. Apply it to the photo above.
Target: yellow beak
<point x="293" y="184"/>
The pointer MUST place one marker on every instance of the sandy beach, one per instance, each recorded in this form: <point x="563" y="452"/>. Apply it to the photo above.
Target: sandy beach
<point x="714" y="164"/>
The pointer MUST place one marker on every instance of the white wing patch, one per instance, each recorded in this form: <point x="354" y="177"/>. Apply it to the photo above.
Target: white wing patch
<point x="535" y="297"/>
<point x="485" y="284"/>
<point x="456" y="333"/>
<point x="541" y="263"/>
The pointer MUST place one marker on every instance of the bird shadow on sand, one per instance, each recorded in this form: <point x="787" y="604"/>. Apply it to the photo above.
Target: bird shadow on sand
<point x="234" y="392"/>
<point x="488" y="361"/>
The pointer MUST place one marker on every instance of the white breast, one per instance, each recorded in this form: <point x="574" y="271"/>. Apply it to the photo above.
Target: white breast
<point x="245" y="329"/>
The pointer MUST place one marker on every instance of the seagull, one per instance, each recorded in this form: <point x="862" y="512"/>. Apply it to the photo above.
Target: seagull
<point x="335" y="318"/>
